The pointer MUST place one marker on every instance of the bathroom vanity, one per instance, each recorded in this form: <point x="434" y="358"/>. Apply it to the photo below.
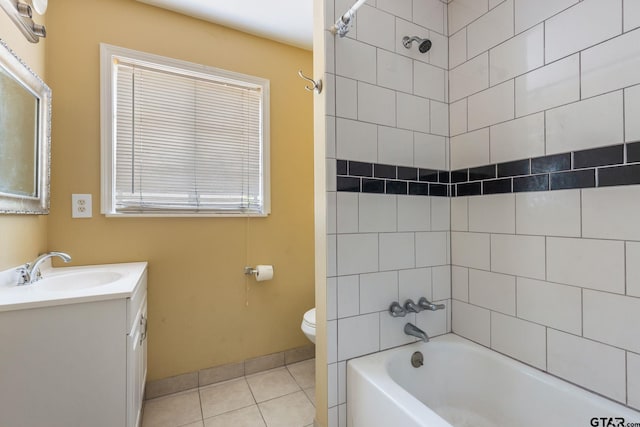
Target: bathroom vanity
<point x="73" y="347"/>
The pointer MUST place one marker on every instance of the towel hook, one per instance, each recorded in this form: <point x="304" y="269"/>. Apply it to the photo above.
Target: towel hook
<point x="317" y="86"/>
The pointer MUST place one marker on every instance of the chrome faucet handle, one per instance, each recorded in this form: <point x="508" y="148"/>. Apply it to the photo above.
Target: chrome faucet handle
<point x="23" y="274"/>
<point x="425" y="304"/>
<point x="396" y="310"/>
<point x="411" y="306"/>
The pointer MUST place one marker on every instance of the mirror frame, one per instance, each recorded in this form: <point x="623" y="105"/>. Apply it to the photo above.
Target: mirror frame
<point x="38" y="204"/>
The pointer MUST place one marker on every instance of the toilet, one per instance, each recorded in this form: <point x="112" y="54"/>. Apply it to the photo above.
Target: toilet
<point x="308" y="325"/>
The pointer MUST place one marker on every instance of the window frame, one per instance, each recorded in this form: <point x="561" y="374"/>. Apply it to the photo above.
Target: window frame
<point x="108" y="53"/>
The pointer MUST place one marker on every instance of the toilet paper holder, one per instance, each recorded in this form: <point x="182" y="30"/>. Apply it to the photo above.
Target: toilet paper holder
<point x="250" y="271"/>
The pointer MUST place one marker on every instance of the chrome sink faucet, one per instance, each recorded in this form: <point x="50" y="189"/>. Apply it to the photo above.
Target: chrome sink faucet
<point x="413" y="330"/>
<point x="30" y="272"/>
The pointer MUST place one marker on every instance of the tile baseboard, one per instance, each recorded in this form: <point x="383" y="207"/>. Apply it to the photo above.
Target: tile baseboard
<point x="216" y="374"/>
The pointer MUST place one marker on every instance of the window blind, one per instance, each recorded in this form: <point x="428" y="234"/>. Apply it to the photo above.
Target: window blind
<point x="185" y="142"/>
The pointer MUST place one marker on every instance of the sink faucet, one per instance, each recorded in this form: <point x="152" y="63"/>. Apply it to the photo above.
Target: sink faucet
<point x="413" y="330"/>
<point x="30" y="272"/>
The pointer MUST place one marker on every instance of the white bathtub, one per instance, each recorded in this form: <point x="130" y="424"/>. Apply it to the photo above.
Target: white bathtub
<point x="465" y="384"/>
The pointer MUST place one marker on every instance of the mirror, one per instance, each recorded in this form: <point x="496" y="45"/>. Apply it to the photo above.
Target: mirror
<point x="25" y="137"/>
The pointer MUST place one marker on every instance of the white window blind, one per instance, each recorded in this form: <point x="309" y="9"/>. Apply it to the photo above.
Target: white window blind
<point x="186" y="141"/>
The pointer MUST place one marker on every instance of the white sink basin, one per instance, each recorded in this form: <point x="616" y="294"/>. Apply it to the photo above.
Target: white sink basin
<point x="77" y="280"/>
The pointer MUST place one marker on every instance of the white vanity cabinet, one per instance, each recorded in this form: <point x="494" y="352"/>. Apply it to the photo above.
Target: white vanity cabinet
<point x="77" y="361"/>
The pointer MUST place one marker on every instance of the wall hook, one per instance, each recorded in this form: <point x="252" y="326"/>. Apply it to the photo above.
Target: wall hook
<point x="317" y="86"/>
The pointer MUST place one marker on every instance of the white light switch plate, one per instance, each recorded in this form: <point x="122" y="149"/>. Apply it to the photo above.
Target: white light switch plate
<point x="81" y="206"/>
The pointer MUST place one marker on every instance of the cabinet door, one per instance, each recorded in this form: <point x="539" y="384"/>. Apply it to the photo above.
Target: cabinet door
<point x="136" y="366"/>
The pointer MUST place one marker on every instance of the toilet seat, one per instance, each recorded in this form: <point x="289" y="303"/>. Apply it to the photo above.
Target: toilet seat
<point x="308" y="325"/>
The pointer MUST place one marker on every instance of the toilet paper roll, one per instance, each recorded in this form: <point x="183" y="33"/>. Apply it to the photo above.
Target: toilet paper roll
<point x="264" y="272"/>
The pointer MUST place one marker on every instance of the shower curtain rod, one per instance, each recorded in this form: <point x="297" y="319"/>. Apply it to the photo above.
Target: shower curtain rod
<point x="341" y="27"/>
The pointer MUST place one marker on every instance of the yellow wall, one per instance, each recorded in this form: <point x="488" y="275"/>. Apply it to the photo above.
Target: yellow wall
<point x="22" y="237"/>
<point x="197" y="312"/>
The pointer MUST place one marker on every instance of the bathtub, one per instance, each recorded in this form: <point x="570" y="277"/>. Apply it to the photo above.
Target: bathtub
<point x="464" y="384"/>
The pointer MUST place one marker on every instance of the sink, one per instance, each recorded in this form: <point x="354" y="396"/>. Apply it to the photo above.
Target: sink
<point x="76" y="280"/>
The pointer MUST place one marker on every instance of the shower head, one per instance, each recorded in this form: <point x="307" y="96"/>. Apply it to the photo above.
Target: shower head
<point x="423" y="46"/>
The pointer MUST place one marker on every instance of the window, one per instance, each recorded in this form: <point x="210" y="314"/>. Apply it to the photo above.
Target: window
<point x="180" y="138"/>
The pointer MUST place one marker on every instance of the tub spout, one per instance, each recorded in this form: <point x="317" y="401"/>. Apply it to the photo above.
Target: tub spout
<point x="411" y="329"/>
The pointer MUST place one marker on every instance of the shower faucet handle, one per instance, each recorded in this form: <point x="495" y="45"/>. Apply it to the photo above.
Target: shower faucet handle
<point x="427" y="305"/>
<point x="396" y="310"/>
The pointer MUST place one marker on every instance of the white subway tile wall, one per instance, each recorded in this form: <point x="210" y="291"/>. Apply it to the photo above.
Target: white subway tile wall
<point x="391" y="107"/>
<point x="550" y="278"/>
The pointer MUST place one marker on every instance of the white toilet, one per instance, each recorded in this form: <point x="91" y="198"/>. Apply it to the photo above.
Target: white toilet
<point x="308" y="325"/>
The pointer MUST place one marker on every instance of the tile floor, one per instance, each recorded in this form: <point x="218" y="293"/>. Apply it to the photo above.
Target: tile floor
<point x="281" y="397"/>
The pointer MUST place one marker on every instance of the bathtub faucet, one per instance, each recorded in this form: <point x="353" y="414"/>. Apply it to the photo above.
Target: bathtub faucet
<point x="425" y="304"/>
<point x="411" y="307"/>
<point x="413" y="330"/>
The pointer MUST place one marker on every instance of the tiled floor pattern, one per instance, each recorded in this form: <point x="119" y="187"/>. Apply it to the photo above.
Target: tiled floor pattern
<point x="282" y="397"/>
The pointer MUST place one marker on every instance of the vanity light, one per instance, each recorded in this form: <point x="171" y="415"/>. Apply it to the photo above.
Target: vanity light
<point x="21" y="14"/>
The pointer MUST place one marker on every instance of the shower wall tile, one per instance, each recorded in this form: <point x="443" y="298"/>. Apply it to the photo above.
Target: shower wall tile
<point x="471" y="322"/>
<point x="430" y="14"/>
<point x="358" y="335"/>
<point x="531" y="12"/>
<point x="356" y="60"/>
<point x="611" y="213"/>
<point x="430" y="249"/>
<point x="391" y="330"/>
<point x="520" y="339"/>
<point x="491" y="106"/>
<point x="439" y="118"/>
<point x="496" y="292"/>
<point x="346" y="98"/>
<point x="412" y="112"/>
<point x="377" y="213"/>
<point x="428" y="81"/>
<point x="356" y="141"/>
<point x="433" y="322"/>
<point x="395" y="146"/>
<point x="430" y="151"/>
<point x="439" y="53"/>
<point x="550" y="278"/>
<point x="610" y="319"/>
<point x="550" y="304"/>
<point x="471" y="250"/>
<point x="348" y="294"/>
<point x="494" y="214"/>
<point x="397" y="251"/>
<point x="631" y="111"/>
<point x="591" y="123"/>
<point x="612" y="65"/>
<point x="414" y="284"/>
<point x="587" y="363"/>
<point x="376" y="27"/>
<point x="395" y="72"/>
<point x="633" y="268"/>
<point x="573" y="30"/>
<point x="517" y="139"/>
<point x="547" y="87"/>
<point x="631" y="15"/>
<point x="517" y="56"/>
<point x="490" y="29"/>
<point x="549" y="213"/>
<point x="400" y="8"/>
<point x="441" y="278"/>
<point x="463" y="12"/>
<point x="460" y="283"/>
<point x="376" y="104"/>
<point x="440" y="214"/>
<point x="406" y="28"/>
<point x="346" y="212"/>
<point x="414" y="213"/>
<point x="518" y="255"/>
<point x="458" y="48"/>
<point x="469" y="77"/>
<point x="357" y="253"/>
<point x="594" y="264"/>
<point x="377" y="291"/>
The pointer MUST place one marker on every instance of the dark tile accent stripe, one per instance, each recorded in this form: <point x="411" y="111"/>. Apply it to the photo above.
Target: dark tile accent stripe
<point x="347" y="183"/>
<point x="384" y="171"/>
<point x="585" y="178"/>
<point x="553" y="163"/>
<point x="469" y="189"/>
<point x="620" y="175"/>
<point x="633" y="152"/>
<point x="483" y="172"/>
<point x="519" y="167"/>
<point x="496" y="186"/>
<point x="531" y="183"/>
<point x="578" y="169"/>
<point x="612" y="155"/>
